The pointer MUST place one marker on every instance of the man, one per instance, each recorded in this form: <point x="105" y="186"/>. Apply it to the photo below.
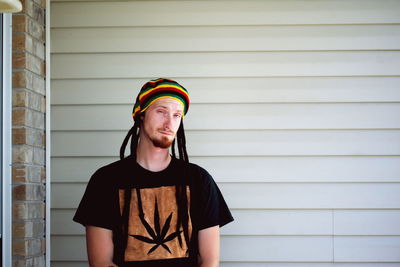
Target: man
<point x="151" y="208"/>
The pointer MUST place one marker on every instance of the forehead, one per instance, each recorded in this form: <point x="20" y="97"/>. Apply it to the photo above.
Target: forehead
<point x="168" y="103"/>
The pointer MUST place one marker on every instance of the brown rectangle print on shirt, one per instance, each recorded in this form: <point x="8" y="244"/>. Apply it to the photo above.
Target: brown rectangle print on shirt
<point x="153" y="218"/>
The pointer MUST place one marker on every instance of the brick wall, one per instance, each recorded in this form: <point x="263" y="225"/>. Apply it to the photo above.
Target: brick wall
<point x="29" y="114"/>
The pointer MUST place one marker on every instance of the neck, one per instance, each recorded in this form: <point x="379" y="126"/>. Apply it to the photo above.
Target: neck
<point x="152" y="158"/>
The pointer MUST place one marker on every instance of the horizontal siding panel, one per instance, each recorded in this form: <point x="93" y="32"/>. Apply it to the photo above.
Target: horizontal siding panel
<point x="369" y="249"/>
<point x="240" y="116"/>
<point x="65" y="248"/>
<point x="235" y="90"/>
<point x="277" y="169"/>
<point x="248" y="248"/>
<point x="376" y="222"/>
<point x="279" y="222"/>
<point x="261" y="248"/>
<point x="247" y="222"/>
<point x="77" y="169"/>
<point x="303" y="196"/>
<point x="302" y="169"/>
<point x="277" y="196"/>
<point x="226" y="38"/>
<point x="227" y="64"/>
<point x="62" y="223"/>
<point x="136" y="13"/>
<point x="243" y="143"/>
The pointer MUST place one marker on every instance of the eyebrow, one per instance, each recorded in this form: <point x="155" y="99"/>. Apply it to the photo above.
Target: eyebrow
<point x="165" y="107"/>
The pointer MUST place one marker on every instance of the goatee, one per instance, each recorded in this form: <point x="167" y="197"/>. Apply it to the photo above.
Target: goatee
<point x="164" y="142"/>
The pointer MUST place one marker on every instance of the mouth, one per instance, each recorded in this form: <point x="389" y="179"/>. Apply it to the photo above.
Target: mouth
<point x="166" y="133"/>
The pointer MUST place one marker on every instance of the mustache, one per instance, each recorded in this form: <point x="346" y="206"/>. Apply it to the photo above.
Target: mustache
<point x="165" y="130"/>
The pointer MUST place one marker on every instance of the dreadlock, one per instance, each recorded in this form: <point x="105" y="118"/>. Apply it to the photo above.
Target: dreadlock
<point x="180" y="192"/>
<point x="181" y="196"/>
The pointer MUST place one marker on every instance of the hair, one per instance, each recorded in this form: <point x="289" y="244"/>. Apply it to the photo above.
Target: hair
<point x="181" y="195"/>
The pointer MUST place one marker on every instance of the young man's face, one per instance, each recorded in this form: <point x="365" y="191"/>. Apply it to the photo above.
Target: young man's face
<point x="161" y="122"/>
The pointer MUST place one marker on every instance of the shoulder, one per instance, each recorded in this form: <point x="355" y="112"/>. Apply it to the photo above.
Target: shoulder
<point x="197" y="173"/>
<point x="200" y="170"/>
<point x="201" y="175"/>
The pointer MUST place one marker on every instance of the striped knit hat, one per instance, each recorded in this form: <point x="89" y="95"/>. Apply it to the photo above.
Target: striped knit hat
<point x="157" y="89"/>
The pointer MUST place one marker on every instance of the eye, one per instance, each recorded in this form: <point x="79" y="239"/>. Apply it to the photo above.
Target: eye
<point x="177" y="115"/>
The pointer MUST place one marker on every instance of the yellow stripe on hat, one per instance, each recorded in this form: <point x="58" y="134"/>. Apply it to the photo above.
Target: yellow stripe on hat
<point x="137" y="109"/>
<point x="162" y="86"/>
<point x="161" y="97"/>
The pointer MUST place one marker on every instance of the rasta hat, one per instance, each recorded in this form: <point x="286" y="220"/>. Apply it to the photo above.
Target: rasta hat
<point x="150" y="92"/>
<point x="157" y="89"/>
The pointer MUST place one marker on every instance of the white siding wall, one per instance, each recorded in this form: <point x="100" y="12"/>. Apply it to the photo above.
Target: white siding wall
<point x="296" y="113"/>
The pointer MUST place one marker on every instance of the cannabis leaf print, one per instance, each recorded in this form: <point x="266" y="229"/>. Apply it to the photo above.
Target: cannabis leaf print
<point x="158" y="235"/>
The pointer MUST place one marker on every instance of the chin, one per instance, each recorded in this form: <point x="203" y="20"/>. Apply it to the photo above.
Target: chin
<point x="162" y="143"/>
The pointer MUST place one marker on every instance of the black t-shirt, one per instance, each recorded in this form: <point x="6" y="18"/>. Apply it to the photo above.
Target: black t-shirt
<point x="155" y="216"/>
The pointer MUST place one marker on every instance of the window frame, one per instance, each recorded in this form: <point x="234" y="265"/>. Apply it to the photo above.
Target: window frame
<point x="6" y="145"/>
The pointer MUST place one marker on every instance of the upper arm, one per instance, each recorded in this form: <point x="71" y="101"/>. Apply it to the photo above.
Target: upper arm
<point x="209" y="246"/>
<point x="100" y="247"/>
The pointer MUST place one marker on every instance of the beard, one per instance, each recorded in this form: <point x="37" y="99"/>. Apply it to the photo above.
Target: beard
<point x="163" y="142"/>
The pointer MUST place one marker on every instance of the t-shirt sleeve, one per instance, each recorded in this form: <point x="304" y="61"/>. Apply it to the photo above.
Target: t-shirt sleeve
<point x="213" y="209"/>
<point x="96" y="207"/>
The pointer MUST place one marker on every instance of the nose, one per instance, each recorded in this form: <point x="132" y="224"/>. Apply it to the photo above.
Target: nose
<point x="168" y="121"/>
